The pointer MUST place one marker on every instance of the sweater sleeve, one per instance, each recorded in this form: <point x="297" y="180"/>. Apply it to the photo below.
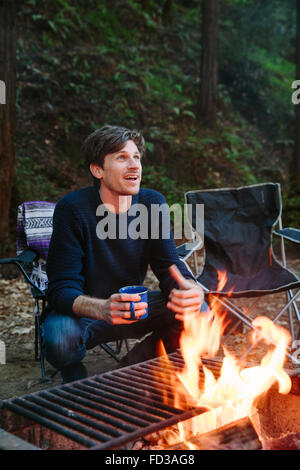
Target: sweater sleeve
<point x="163" y="251"/>
<point x="64" y="264"/>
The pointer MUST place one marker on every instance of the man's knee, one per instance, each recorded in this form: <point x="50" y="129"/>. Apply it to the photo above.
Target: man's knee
<point x="61" y="340"/>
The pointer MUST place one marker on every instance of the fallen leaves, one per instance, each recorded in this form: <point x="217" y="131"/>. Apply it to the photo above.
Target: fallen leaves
<point x="16" y="312"/>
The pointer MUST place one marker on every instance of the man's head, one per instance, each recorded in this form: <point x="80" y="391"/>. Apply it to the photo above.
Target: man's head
<point x="106" y="141"/>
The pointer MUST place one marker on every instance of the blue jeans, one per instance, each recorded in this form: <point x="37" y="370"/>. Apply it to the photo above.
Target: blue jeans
<point x="65" y="339"/>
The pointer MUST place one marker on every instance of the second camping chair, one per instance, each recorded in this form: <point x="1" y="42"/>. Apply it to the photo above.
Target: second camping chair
<point x="238" y="230"/>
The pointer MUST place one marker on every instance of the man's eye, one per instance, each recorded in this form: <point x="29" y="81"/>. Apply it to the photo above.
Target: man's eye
<point x="121" y="157"/>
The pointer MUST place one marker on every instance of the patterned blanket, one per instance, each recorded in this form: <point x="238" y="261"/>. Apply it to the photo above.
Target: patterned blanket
<point x="34" y="230"/>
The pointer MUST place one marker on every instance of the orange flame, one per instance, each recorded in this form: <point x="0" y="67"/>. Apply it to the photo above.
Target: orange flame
<point x="230" y="396"/>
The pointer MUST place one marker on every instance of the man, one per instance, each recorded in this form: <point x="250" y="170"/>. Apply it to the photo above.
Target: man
<point x="86" y="269"/>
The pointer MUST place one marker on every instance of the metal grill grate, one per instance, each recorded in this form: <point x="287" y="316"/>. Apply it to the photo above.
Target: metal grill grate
<point x="109" y="410"/>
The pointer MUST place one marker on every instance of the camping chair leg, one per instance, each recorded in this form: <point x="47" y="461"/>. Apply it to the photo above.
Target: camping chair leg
<point x="295" y="307"/>
<point x="37" y="330"/>
<point x="242" y="313"/>
<point x="288" y="296"/>
<point x="42" y="361"/>
<point x="115" y="352"/>
<point x="297" y="314"/>
<point x="109" y="351"/>
<point x="290" y="302"/>
<point x="232" y="308"/>
<point x="42" y="358"/>
<point x="236" y="311"/>
<point x="289" y="293"/>
<point x="196" y="264"/>
<point x="38" y="341"/>
<point x="245" y="320"/>
<point x="248" y="320"/>
<point x="233" y="328"/>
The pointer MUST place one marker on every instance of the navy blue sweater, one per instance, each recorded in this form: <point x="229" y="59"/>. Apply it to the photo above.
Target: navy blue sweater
<point x="81" y="263"/>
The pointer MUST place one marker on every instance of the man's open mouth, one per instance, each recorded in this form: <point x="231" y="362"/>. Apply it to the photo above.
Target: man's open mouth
<point x="132" y="177"/>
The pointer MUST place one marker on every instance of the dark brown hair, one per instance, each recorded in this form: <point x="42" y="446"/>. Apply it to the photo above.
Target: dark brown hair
<point x="109" y="139"/>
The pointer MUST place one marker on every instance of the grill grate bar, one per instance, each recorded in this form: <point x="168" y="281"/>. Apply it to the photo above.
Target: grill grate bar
<point x="167" y="371"/>
<point x="132" y="382"/>
<point x="117" y="442"/>
<point x="68" y="421"/>
<point x="176" y="366"/>
<point x="144" y="381"/>
<point x="81" y="409"/>
<point x="110" y="431"/>
<point x="108" y="417"/>
<point x="177" y="359"/>
<point x="145" y="391"/>
<point x="160" y="367"/>
<point x="138" y="418"/>
<point x="36" y="417"/>
<point x="133" y="400"/>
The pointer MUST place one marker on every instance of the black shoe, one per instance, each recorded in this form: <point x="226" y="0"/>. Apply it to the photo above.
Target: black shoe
<point x="74" y="372"/>
<point x="149" y="347"/>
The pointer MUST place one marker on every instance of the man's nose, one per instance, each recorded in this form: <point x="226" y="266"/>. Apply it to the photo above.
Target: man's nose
<point x="133" y="163"/>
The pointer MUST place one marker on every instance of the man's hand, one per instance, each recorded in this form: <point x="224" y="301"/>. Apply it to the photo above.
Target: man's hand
<point x="188" y="298"/>
<point x="116" y="309"/>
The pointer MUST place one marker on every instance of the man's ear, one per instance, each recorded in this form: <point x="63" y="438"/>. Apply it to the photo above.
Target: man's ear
<point x="96" y="170"/>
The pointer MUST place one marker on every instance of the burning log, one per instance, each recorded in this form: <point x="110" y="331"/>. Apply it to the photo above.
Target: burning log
<point x="239" y="435"/>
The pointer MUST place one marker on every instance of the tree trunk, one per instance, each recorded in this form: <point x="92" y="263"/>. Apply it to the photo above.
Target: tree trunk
<point x="297" y="106"/>
<point x="7" y="110"/>
<point x="207" y="108"/>
<point x="168" y="5"/>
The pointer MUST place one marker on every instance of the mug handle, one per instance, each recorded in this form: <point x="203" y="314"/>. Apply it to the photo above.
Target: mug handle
<point x="132" y="311"/>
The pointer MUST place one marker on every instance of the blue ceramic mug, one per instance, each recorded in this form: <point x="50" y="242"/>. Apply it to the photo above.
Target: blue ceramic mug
<point x="142" y="292"/>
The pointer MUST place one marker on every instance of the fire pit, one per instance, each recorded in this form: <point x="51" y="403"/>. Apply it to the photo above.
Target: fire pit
<point x="110" y="410"/>
<point x="102" y="412"/>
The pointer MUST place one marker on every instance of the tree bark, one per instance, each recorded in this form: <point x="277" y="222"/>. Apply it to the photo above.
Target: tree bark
<point x="7" y="110"/>
<point x="297" y="106"/>
<point x="168" y="5"/>
<point x="207" y="108"/>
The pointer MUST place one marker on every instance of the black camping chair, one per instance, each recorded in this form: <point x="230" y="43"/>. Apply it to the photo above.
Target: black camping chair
<point x="238" y="228"/>
<point x="34" y="230"/>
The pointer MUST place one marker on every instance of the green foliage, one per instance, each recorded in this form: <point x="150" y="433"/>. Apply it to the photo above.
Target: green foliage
<point x="30" y="183"/>
<point x="158" y="179"/>
<point x="256" y="61"/>
<point x="291" y="205"/>
<point x="95" y="62"/>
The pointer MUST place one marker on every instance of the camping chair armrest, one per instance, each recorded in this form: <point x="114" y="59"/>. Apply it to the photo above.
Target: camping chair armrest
<point x="185" y="250"/>
<point x="27" y="257"/>
<point x="292" y="234"/>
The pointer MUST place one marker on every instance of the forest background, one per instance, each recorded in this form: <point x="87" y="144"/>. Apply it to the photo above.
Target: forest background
<point x="209" y="84"/>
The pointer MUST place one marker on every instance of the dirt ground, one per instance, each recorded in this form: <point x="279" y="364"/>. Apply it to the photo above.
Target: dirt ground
<point x="21" y="374"/>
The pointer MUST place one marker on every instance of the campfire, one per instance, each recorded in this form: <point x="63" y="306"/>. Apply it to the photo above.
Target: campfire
<point x="230" y="397"/>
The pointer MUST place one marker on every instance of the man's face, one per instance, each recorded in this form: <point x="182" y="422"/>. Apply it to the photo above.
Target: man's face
<point x="122" y="171"/>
